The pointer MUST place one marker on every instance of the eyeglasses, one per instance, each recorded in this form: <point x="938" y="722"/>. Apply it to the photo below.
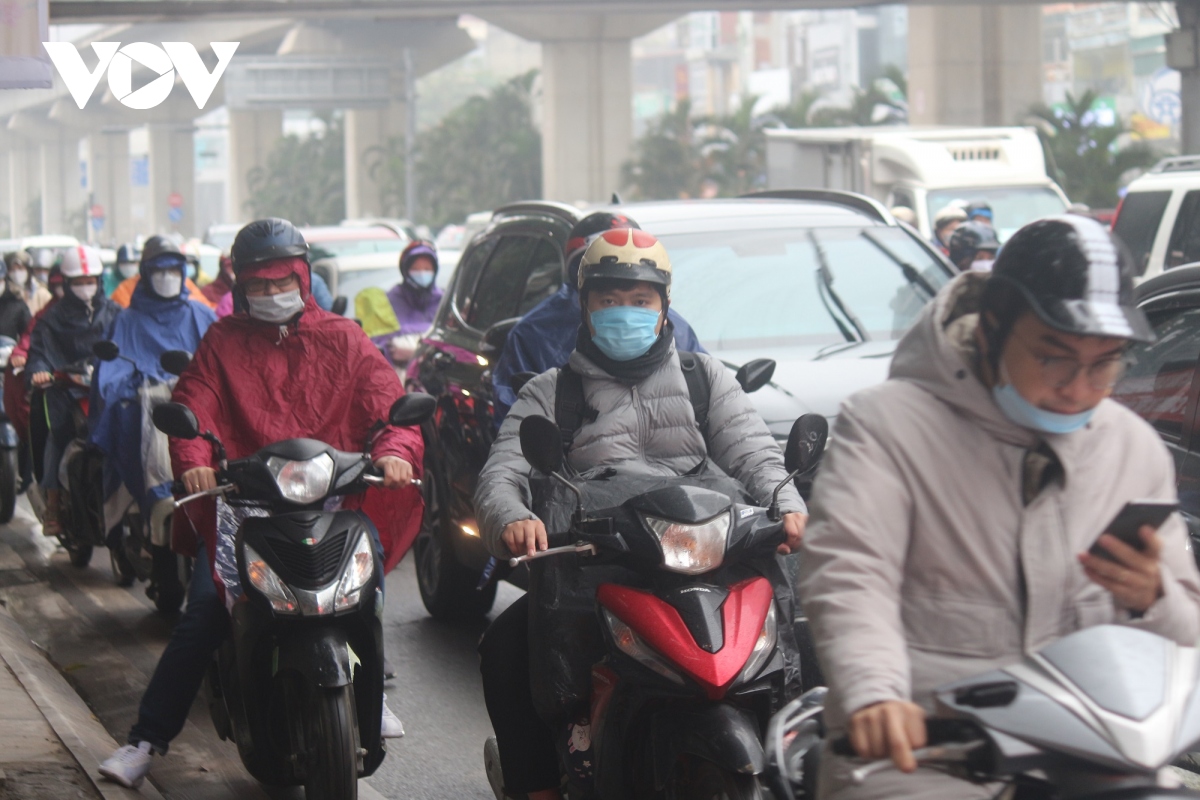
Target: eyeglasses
<point x="1061" y="371"/>
<point x="259" y="285"/>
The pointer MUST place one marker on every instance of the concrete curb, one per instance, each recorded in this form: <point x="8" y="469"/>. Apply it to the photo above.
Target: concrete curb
<point x="70" y="718"/>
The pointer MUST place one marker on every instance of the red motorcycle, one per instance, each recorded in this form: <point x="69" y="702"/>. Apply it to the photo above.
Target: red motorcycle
<point x="662" y="616"/>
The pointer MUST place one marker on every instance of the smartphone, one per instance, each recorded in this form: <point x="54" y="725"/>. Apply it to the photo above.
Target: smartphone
<point x="1131" y="518"/>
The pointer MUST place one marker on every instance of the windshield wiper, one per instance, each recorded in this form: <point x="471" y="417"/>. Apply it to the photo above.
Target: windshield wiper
<point x="910" y="272"/>
<point x="827" y="294"/>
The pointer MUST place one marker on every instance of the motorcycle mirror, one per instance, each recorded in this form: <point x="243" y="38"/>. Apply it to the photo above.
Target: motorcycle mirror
<point x="339" y="305"/>
<point x="541" y="444"/>
<point x="411" y="409"/>
<point x="175" y="361"/>
<point x="494" y="338"/>
<point x="755" y="374"/>
<point x="806" y="443"/>
<point x="176" y="420"/>
<point x="106" y="350"/>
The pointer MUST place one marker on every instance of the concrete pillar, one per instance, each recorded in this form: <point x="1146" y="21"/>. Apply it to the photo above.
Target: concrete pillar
<point x="1183" y="53"/>
<point x="23" y="188"/>
<point x="587" y="97"/>
<point x="172" y="171"/>
<point x="7" y="218"/>
<point x="366" y="128"/>
<point x="109" y="175"/>
<point x="63" y="198"/>
<point x="973" y="64"/>
<point x="252" y="135"/>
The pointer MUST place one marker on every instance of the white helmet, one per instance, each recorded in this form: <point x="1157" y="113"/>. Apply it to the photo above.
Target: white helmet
<point x="81" y="262"/>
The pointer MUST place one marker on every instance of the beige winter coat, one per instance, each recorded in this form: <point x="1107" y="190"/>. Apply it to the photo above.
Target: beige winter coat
<point x="923" y="565"/>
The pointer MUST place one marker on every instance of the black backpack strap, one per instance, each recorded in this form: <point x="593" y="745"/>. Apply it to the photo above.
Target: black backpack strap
<point x="571" y="410"/>
<point x="698" y="389"/>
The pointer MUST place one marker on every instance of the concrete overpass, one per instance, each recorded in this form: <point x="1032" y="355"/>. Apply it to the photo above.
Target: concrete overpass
<point x="970" y="63"/>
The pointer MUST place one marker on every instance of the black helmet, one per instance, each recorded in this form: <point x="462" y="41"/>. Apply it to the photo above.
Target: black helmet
<point x="264" y="240"/>
<point x="157" y="246"/>
<point x="582" y="234"/>
<point x="128" y="252"/>
<point x="969" y="238"/>
<point x="1075" y="277"/>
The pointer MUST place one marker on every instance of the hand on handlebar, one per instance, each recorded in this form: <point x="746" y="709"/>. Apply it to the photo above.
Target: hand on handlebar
<point x="397" y="473"/>
<point x="40" y="379"/>
<point x="17" y="361"/>
<point x="525" y="537"/>
<point x="199" y="479"/>
<point x="891" y="729"/>
<point x="793" y="526"/>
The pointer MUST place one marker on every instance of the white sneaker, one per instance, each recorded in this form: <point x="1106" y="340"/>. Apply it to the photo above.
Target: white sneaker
<point x="129" y="765"/>
<point x="392" y="727"/>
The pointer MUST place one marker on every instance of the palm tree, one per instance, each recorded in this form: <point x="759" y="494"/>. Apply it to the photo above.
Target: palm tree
<point x="666" y="162"/>
<point x="1083" y="155"/>
<point x="734" y="148"/>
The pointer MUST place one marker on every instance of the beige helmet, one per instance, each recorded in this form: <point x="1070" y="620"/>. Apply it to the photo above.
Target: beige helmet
<point x="626" y="254"/>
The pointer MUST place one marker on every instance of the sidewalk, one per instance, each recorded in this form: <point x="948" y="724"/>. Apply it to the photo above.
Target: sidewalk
<point x="50" y="743"/>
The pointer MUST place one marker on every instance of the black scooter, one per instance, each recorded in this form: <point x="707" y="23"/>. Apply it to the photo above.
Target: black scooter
<point x="299" y="683"/>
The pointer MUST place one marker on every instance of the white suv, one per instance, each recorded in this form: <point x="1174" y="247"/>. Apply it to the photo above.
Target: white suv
<point x="1159" y="218"/>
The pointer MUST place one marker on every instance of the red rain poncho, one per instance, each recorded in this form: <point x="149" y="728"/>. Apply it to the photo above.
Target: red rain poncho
<point x="253" y="383"/>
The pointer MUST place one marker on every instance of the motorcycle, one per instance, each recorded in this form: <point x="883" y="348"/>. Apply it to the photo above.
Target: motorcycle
<point x="80" y="475"/>
<point x="298" y="685"/>
<point x="1097" y="714"/>
<point x="10" y="474"/>
<point x="692" y="663"/>
<point x="145" y="534"/>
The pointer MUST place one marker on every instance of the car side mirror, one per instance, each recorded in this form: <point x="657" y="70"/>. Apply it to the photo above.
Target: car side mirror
<point x="413" y="408"/>
<point x="340" y="303"/>
<point x="176" y="420"/>
<point x="806" y="443"/>
<point x="494" y="338"/>
<point x="541" y="444"/>
<point x="106" y="350"/>
<point x="175" y="361"/>
<point x="755" y="374"/>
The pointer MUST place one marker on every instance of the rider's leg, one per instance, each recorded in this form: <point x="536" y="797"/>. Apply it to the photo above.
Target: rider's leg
<point x="527" y="754"/>
<point x="184" y="663"/>
<point x="62" y="430"/>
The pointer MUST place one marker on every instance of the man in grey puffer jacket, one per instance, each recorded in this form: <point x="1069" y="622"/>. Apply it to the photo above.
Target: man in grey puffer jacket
<point x="957" y="502"/>
<point x="644" y="422"/>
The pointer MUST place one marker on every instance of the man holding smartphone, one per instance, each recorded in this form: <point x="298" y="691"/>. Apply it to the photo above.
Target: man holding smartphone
<point x="954" y="513"/>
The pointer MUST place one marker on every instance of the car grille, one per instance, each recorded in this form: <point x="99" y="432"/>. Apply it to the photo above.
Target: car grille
<point x="315" y="565"/>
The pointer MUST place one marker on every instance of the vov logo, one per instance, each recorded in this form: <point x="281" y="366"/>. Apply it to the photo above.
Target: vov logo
<point x="118" y="61"/>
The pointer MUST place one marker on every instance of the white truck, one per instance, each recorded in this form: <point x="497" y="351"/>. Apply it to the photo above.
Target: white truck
<point x="922" y="168"/>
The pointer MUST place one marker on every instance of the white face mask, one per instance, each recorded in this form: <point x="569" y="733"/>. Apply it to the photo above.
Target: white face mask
<point x="85" y="293"/>
<point x="167" y="283"/>
<point x="128" y="269"/>
<point x="982" y="266"/>
<point x="276" y="308"/>
<point x="18" y="276"/>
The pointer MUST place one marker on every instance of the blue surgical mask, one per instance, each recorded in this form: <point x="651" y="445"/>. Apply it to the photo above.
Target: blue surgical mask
<point x="624" y="333"/>
<point x="1027" y="415"/>
<point x="422" y="279"/>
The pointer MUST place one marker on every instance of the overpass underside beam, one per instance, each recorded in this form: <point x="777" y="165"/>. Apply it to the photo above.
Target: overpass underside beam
<point x="974" y="64"/>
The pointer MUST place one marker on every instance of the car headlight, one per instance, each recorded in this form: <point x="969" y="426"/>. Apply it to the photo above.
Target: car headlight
<point x="632" y="645"/>
<point x="692" y="549"/>
<point x="302" y="481"/>
<point x="358" y="572"/>
<point x="764" y="647"/>
<point x="272" y="587"/>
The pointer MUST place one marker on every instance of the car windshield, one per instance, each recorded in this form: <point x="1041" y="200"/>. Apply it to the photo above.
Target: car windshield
<point x="350" y="283"/>
<point x="354" y="247"/>
<point x="753" y="289"/>
<point x="1013" y="206"/>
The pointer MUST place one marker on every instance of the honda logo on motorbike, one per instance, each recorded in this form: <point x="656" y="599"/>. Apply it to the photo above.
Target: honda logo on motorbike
<point x="118" y="61"/>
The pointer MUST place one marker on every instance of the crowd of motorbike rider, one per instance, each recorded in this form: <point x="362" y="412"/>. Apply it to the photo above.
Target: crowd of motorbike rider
<point x="951" y="516"/>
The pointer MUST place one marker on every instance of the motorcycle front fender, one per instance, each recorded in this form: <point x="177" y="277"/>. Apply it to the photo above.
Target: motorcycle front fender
<point x="722" y="734"/>
<point x="323" y="656"/>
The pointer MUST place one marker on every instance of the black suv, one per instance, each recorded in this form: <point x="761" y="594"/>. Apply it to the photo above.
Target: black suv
<point x="823" y="283"/>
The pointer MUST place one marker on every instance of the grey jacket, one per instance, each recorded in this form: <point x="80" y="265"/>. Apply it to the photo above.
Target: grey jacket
<point x="648" y="427"/>
<point x="923" y="564"/>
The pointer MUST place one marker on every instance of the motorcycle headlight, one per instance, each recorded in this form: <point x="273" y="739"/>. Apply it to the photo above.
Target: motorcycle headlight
<point x="302" y="481"/>
<point x="272" y="587"/>
<point x="692" y="549"/>
<point x="358" y="572"/>
<point x="632" y="645"/>
<point x="763" y="648"/>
